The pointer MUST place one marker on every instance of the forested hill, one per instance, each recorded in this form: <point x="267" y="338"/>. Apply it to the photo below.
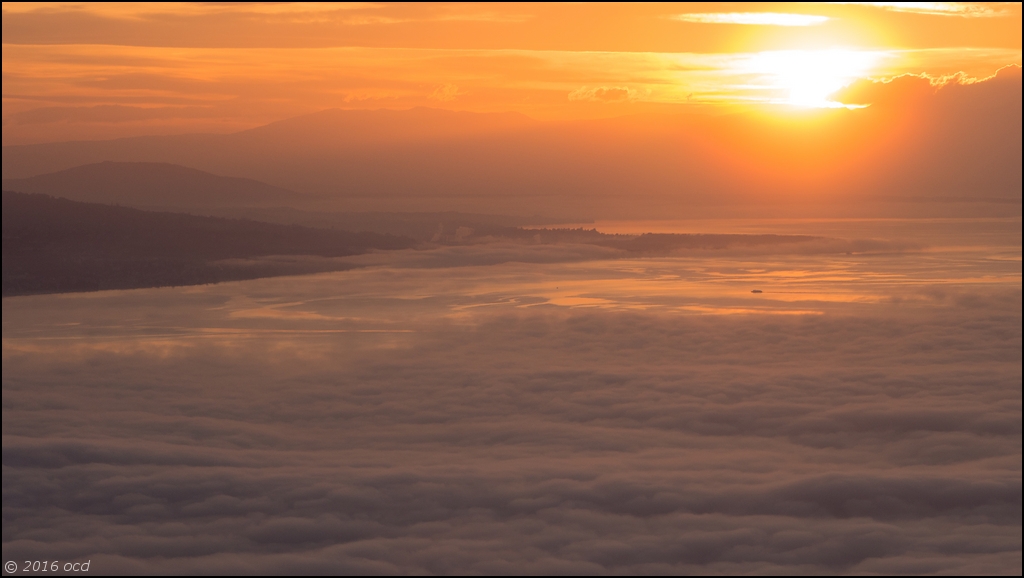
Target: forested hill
<point x="56" y="245"/>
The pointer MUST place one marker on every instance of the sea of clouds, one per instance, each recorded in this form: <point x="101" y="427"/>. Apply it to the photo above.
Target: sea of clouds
<point x="565" y="415"/>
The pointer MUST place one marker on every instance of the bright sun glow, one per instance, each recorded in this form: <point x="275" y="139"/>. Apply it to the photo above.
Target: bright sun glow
<point x="808" y="77"/>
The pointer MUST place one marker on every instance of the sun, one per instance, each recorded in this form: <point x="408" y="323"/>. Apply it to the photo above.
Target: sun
<point x="808" y="77"/>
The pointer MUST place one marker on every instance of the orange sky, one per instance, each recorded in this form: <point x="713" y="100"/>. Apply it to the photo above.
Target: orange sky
<point x="73" y="71"/>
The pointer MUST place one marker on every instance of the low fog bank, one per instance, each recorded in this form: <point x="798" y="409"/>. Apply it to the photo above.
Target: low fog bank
<point x="524" y="418"/>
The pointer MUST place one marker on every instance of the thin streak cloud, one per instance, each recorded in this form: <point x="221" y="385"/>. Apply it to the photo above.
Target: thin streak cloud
<point x="753" y="18"/>
<point x="962" y="9"/>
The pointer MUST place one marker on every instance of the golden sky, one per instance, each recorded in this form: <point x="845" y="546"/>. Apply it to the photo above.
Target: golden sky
<point x="80" y="71"/>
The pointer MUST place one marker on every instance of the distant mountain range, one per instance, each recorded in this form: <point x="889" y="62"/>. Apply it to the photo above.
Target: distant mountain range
<point x="961" y="145"/>
<point x="163" y="186"/>
<point x="362" y="160"/>
<point x="157" y="185"/>
<point x="55" y="245"/>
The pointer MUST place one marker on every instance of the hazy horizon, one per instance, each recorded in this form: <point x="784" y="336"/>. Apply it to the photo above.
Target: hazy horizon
<point x="823" y="162"/>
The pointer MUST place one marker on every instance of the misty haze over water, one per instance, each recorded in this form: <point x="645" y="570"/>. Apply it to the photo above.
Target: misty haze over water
<point x="534" y="408"/>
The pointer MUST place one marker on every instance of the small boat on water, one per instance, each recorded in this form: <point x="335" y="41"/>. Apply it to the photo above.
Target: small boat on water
<point x="756" y="291"/>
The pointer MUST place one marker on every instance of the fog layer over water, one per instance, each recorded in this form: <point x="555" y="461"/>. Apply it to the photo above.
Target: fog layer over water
<point x="534" y="408"/>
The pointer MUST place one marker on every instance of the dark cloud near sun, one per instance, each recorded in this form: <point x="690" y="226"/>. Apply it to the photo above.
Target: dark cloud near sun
<point x="999" y="90"/>
<point x="955" y="136"/>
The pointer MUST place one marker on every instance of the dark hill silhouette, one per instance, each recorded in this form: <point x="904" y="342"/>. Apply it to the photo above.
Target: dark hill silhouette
<point x="55" y="245"/>
<point x="139" y="184"/>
